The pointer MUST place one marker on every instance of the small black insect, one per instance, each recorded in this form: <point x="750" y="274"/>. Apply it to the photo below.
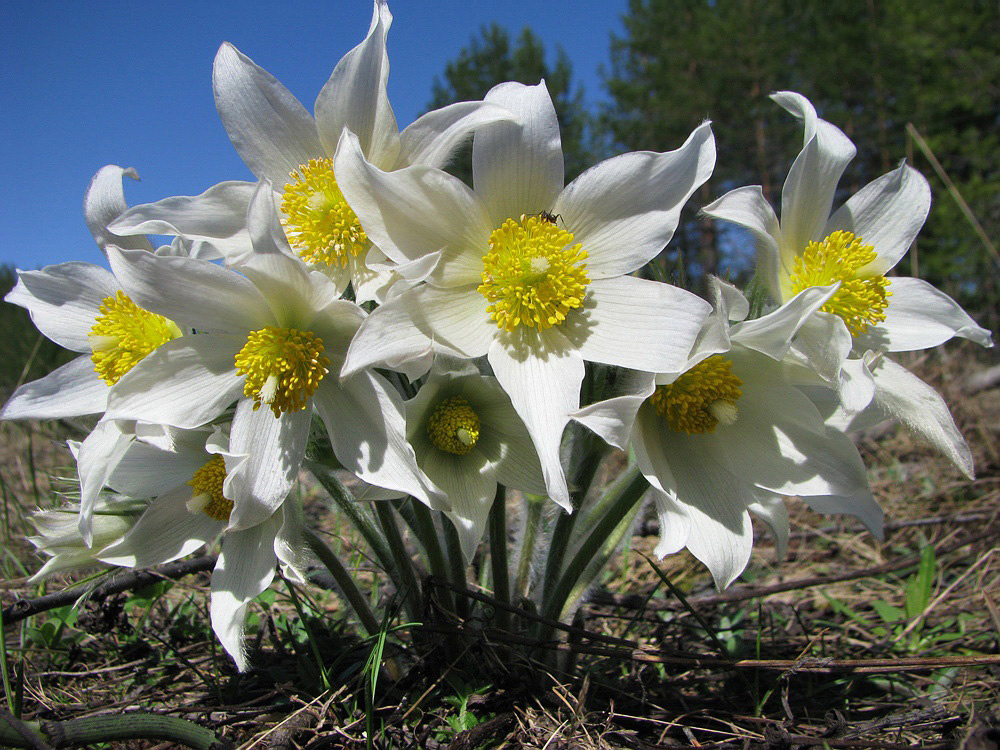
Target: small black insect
<point x="549" y="217"/>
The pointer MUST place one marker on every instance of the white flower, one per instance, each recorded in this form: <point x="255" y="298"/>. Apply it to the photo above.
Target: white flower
<point x="81" y="306"/>
<point x="186" y="472"/>
<point x="530" y="273"/>
<point x="467" y="438"/>
<point x="856" y="245"/>
<point x="282" y="143"/>
<point x="270" y="339"/>
<point x="727" y="434"/>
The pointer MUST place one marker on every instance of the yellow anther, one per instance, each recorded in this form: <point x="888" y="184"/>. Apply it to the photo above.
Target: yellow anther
<point x="123" y="334"/>
<point x="319" y="224"/>
<point x="454" y="426"/>
<point x="206" y="493"/>
<point x="861" y="300"/>
<point x="701" y="398"/>
<point x="283" y="367"/>
<point x="533" y="274"/>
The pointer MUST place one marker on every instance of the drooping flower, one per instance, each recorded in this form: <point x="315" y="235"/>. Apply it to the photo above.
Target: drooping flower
<point x="727" y="434"/>
<point x="185" y="473"/>
<point x="467" y="439"/>
<point x="282" y="143"/>
<point x="82" y="307"/>
<point x="530" y="273"/>
<point x="856" y="245"/>
<point x="271" y="340"/>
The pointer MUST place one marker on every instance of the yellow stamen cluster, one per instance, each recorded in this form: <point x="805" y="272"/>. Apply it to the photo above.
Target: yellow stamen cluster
<point x="454" y="426"/>
<point x="700" y="398"/>
<point x="123" y="334"/>
<point x="860" y="301"/>
<point x="206" y="495"/>
<point x="319" y="224"/>
<point x="533" y="274"/>
<point x="283" y="367"/>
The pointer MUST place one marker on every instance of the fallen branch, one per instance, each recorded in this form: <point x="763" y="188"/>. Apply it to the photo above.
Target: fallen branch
<point x="124" y="580"/>
<point x="741" y="593"/>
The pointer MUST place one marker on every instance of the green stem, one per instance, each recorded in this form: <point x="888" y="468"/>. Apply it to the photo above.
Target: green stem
<point x="351" y="508"/>
<point x="582" y="479"/>
<point x="456" y="562"/>
<point x="3" y="669"/>
<point x="98" y="729"/>
<point x="406" y="583"/>
<point x="533" y="505"/>
<point x="627" y="491"/>
<point x="313" y="644"/>
<point x="344" y="581"/>
<point x="498" y="555"/>
<point x="427" y="534"/>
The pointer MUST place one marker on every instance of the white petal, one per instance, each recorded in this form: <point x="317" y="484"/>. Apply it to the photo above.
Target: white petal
<point x="433" y="137"/>
<point x="860" y="505"/>
<point x="274" y="449"/>
<point x="272" y="132"/>
<point x="801" y="108"/>
<point x="191" y="292"/>
<point x="453" y="321"/>
<point x="636" y="323"/>
<point x="613" y="419"/>
<point x="856" y="387"/>
<point x="186" y="382"/>
<point x="674" y="524"/>
<point x="104" y="202"/>
<point x="98" y="456"/>
<point x="823" y="343"/>
<point x="144" y="471"/>
<point x="920" y="316"/>
<point x="289" y="547"/>
<point x="365" y="422"/>
<point x="68" y="391"/>
<point x="747" y="207"/>
<point x="720" y="533"/>
<point x="355" y="97"/>
<point x="544" y="388"/>
<point x="470" y="485"/>
<point x="518" y="168"/>
<point x="64" y="300"/>
<point x="904" y="396"/>
<point x="728" y="301"/>
<point x="416" y="211"/>
<point x="771" y="510"/>
<point x="772" y="334"/>
<point x="807" y="195"/>
<point x="886" y="213"/>
<point x="166" y="531"/>
<point x="218" y="216"/>
<point x="245" y="568"/>
<point x="625" y="209"/>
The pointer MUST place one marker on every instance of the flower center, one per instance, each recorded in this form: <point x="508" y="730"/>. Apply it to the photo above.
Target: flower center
<point x="283" y="367"/>
<point x="318" y="222"/>
<point x="533" y="275"/>
<point x="123" y="334"/>
<point x="206" y="495"/>
<point x="700" y="398"/>
<point x="860" y="301"/>
<point x="453" y="426"/>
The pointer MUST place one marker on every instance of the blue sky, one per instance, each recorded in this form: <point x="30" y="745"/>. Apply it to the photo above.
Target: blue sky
<point x="84" y="84"/>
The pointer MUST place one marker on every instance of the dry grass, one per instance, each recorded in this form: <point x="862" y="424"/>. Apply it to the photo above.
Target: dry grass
<point x="783" y="668"/>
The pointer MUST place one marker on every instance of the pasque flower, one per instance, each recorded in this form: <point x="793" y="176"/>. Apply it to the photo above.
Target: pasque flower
<point x="82" y="307"/>
<point x="856" y="245"/>
<point x="285" y="145"/>
<point x="270" y="340"/>
<point x="467" y="438"/>
<point x="530" y="273"/>
<point x="170" y="499"/>
<point x="726" y="435"/>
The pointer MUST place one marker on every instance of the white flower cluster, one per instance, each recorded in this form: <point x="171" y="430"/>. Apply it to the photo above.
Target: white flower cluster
<point x="211" y="360"/>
